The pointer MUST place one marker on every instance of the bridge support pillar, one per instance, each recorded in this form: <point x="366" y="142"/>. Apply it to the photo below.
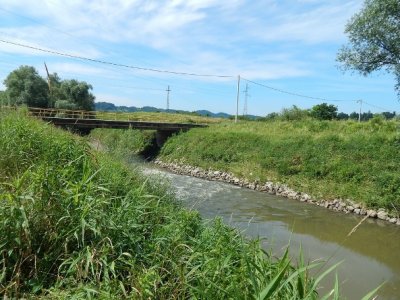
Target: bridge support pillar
<point x="162" y="136"/>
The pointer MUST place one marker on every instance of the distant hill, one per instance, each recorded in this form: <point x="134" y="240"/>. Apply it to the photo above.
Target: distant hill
<point x="211" y="114"/>
<point x="106" y="106"/>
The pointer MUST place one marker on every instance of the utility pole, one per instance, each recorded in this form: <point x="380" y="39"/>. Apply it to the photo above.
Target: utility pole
<point x="246" y="95"/>
<point x="49" y="84"/>
<point x="168" y="90"/>
<point x="48" y="76"/>
<point x="237" y="99"/>
<point x="359" y="114"/>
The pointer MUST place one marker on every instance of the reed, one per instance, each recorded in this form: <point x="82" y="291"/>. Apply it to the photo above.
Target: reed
<point x="76" y="223"/>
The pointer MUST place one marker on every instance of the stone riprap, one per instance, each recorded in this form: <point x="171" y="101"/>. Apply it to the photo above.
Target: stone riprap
<point x="339" y="205"/>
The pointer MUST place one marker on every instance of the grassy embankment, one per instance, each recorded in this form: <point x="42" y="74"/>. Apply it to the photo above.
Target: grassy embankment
<point x="123" y="144"/>
<point x="327" y="159"/>
<point x="77" y="223"/>
<point x="157" y="117"/>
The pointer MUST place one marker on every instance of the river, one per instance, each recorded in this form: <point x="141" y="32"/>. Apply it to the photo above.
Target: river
<point x="370" y="256"/>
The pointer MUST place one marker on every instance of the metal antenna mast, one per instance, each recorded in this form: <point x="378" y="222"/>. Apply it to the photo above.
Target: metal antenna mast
<point x="168" y="90"/>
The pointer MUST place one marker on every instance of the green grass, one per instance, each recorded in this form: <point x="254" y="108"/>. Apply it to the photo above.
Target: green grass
<point x="122" y="143"/>
<point x="158" y="117"/>
<point x="79" y="224"/>
<point x="328" y="159"/>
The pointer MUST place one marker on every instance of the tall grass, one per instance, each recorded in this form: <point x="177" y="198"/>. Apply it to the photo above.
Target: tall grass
<point x="122" y="143"/>
<point x="158" y="117"/>
<point x="79" y="224"/>
<point x="325" y="158"/>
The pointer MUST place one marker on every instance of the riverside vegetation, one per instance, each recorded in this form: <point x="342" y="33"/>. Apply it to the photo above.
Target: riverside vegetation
<point x="327" y="159"/>
<point x="76" y="223"/>
<point x="156" y="117"/>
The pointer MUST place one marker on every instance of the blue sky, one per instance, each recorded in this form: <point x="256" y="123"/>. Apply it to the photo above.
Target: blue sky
<point x="288" y="44"/>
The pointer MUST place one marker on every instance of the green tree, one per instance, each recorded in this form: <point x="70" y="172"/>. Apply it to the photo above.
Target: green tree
<point x="294" y="113"/>
<point x="324" y="111"/>
<point x="25" y="86"/>
<point x="3" y="98"/>
<point x="367" y="116"/>
<point x="389" y="115"/>
<point x="342" y="116"/>
<point x="353" y="116"/>
<point x="272" y="116"/>
<point x="374" y="39"/>
<point x="74" y="94"/>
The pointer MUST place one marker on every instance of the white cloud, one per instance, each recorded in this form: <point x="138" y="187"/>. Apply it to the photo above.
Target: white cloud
<point x="325" y="23"/>
<point x="43" y="38"/>
<point x="209" y="36"/>
<point x="75" y="68"/>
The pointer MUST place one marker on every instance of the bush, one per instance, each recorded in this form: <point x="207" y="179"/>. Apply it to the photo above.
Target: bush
<point x="294" y="114"/>
<point x="324" y="112"/>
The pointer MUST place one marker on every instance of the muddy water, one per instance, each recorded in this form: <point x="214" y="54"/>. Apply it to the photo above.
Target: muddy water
<point x="370" y="256"/>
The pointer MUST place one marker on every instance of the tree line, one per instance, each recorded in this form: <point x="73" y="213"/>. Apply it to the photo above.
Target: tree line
<point x="24" y="86"/>
<point x="324" y="111"/>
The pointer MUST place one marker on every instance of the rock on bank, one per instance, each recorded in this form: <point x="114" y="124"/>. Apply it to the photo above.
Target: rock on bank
<point x="339" y="205"/>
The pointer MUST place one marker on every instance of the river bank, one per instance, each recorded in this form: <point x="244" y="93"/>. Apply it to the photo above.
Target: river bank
<point x="343" y="165"/>
<point x="339" y="205"/>
<point x="369" y="255"/>
<point x="369" y="252"/>
<point x="79" y="223"/>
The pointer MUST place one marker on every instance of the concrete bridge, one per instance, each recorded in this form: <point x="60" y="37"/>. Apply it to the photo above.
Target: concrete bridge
<point x="85" y="121"/>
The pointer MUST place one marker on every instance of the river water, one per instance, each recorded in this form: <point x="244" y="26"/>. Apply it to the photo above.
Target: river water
<point x="370" y="256"/>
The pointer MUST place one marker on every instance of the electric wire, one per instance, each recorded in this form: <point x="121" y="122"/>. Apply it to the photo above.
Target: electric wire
<point x="157" y="70"/>
<point x="112" y="63"/>
<point x="295" y="94"/>
<point x="179" y="73"/>
<point x="68" y="34"/>
<point x="375" y="106"/>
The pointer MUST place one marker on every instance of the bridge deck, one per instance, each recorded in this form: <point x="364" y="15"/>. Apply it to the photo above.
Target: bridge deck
<point x="88" y="120"/>
<point x="96" y="123"/>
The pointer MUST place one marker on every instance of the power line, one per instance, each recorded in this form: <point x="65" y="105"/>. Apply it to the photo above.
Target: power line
<point x="180" y="73"/>
<point x="375" y="106"/>
<point x="112" y="63"/>
<point x="295" y="94"/>
<point x="107" y="85"/>
<point x="63" y="32"/>
<point x="101" y="46"/>
<point x="144" y="88"/>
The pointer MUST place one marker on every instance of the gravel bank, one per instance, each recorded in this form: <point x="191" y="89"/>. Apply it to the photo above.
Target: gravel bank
<point x="340" y="205"/>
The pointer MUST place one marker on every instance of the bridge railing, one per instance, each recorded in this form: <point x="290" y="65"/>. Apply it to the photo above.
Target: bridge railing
<point x="61" y="113"/>
<point x="80" y="114"/>
<point x="154" y="117"/>
<point x="118" y="116"/>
